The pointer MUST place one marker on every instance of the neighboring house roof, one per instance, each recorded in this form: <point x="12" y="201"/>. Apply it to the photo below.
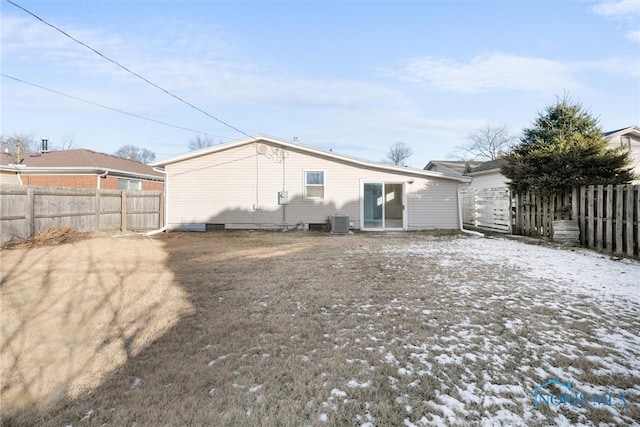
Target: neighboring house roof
<point x="77" y="161"/>
<point x="452" y="167"/>
<point x="489" y="166"/>
<point x="613" y="133"/>
<point x="309" y="150"/>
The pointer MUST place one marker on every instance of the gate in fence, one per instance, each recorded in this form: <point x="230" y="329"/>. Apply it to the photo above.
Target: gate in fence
<point x="488" y="208"/>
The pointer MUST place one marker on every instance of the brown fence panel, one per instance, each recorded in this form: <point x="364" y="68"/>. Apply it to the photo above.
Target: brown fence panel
<point x="27" y="210"/>
<point x="608" y="216"/>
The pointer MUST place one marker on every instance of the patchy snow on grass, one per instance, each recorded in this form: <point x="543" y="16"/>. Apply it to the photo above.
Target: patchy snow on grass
<point x="509" y="316"/>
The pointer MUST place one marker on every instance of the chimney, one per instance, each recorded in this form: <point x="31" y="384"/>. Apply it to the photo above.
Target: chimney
<point x="45" y="146"/>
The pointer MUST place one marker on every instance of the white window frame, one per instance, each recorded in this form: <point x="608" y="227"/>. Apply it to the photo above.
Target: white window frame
<point x="323" y="185"/>
<point x="137" y="182"/>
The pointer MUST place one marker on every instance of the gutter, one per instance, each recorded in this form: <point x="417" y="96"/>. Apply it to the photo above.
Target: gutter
<point x="38" y="170"/>
<point x="166" y="205"/>
<point x="475" y="233"/>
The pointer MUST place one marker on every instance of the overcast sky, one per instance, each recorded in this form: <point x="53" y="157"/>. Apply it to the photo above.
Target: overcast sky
<point x="352" y="76"/>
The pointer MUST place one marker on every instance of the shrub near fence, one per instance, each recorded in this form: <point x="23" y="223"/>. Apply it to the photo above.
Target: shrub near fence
<point x="607" y="216"/>
<point x="26" y="211"/>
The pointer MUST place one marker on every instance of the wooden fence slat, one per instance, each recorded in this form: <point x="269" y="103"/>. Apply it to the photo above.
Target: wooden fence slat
<point x="590" y="219"/>
<point x="619" y="215"/>
<point x="609" y="223"/>
<point x="636" y="190"/>
<point x="629" y="220"/>
<point x="599" y="222"/>
<point x="582" y="221"/>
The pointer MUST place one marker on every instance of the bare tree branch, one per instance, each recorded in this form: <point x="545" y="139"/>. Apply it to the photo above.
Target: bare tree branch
<point x="200" y="141"/>
<point x="138" y="154"/>
<point x="398" y="153"/>
<point x="66" y="143"/>
<point x="487" y="143"/>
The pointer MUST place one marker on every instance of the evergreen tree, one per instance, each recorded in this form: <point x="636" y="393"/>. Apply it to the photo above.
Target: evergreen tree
<point x="565" y="148"/>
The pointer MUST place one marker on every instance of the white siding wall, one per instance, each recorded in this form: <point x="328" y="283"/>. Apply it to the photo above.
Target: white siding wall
<point x="9" y="178"/>
<point x="634" y="151"/>
<point x="488" y="180"/>
<point x="225" y="187"/>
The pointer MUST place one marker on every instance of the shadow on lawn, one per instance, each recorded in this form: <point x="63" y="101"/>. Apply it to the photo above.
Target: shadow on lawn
<point x="73" y="314"/>
<point x="104" y="340"/>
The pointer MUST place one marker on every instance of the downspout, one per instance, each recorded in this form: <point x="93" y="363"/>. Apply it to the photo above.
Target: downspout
<point x="104" y="175"/>
<point x="166" y="205"/>
<point x="475" y="233"/>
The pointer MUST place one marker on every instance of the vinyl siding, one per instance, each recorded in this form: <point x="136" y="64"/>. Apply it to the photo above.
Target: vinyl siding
<point x="9" y="178"/>
<point x="489" y="180"/>
<point x="225" y="187"/>
<point x="634" y="152"/>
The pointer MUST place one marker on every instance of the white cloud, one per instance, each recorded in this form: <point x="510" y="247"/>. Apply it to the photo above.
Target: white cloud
<point x="618" y="10"/>
<point x="507" y="73"/>
<point x="634" y="36"/>
<point x="495" y="71"/>
<point x="198" y="65"/>
<point x="626" y="12"/>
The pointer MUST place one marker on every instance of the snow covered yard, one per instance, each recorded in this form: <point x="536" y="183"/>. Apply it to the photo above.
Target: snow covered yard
<point x="414" y="329"/>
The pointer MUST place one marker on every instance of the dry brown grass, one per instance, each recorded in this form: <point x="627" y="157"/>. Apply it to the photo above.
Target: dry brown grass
<point x="235" y="329"/>
<point x="73" y="314"/>
<point x="51" y="237"/>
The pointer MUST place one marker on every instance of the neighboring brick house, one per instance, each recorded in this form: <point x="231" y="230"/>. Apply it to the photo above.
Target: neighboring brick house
<point x="78" y="168"/>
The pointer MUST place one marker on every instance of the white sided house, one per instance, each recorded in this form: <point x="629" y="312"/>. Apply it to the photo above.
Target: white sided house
<point x="269" y="183"/>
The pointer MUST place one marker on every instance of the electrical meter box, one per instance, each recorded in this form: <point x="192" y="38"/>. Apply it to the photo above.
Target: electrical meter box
<point x="283" y="197"/>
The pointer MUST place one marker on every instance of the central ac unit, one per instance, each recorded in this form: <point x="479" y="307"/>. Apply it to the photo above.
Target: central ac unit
<point x="339" y="224"/>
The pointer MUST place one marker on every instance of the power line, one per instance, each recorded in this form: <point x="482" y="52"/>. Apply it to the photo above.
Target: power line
<point x="107" y="107"/>
<point x="128" y="70"/>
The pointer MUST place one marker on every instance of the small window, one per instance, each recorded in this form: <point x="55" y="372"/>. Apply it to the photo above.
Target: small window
<point x="314" y="185"/>
<point x="129" y="184"/>
<point x="625" y="141"/>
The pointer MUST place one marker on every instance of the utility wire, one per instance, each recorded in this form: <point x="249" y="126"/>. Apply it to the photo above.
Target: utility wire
<point x="129" y="71"/>
<point x="107" y="107"/>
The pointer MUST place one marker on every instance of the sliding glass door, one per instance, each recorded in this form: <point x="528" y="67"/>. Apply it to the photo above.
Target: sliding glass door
<point x="382" y="206"/>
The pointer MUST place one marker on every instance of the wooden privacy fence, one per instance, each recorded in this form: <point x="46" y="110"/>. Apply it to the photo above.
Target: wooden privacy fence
<point x="607" y="216"/>
<point x="26" y="211"/>
<point x="488" y="208"/>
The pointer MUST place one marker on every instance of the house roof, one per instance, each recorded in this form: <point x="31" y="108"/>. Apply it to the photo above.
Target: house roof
<point x="623" y="131"/>
<point x="78" y="161"/>
<point x="306" y="149"/>
<point x="453" y="167"/>
<point x="489" y="166"/>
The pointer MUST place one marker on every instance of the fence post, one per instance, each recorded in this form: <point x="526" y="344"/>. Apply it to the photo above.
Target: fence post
<point x="30" y="212"/>
<point x="123" y="211"/>
<point x="629" y="219"/>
